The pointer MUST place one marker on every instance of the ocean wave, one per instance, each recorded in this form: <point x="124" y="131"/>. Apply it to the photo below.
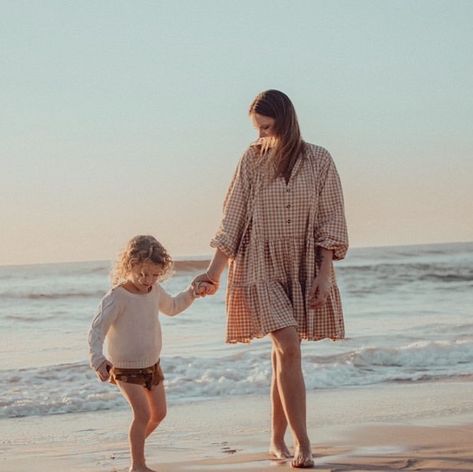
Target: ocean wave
<point x="449" y="277"/>
<point x="98" y="294"/>
<point x="418" y="355"/>
<point x="47" y="295"/>
<point x="31" y="319"/>
<point x="71" y="388"/>
<point x="427" y="271"/>
<point x="377" y="279"/>
<point x="77" y="283"/>
<point x="190" y="265"/>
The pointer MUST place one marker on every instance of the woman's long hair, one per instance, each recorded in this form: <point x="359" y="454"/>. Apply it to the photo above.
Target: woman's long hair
<point x="288" y="143"/>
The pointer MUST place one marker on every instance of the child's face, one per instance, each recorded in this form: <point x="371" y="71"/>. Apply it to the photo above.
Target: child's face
<point x="144" y="276"/>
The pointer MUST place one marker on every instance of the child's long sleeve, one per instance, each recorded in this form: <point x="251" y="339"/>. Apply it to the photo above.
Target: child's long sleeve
<point x="108" y="312"/>
<point x="172" y="305"/>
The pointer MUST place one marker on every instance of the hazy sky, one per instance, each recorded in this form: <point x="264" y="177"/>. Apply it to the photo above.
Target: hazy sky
<point x="119" y="117"/>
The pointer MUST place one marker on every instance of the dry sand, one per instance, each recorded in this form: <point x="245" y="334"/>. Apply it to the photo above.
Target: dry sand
<point x="394" y="427"/>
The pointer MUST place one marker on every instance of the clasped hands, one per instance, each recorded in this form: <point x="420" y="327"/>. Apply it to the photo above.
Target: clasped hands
<point x="203" y="285"/>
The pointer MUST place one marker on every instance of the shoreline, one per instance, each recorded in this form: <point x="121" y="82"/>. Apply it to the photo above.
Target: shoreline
<point x="380" y="427"/>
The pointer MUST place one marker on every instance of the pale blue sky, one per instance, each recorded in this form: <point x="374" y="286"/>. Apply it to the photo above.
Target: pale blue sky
<point x="118" y="118"/>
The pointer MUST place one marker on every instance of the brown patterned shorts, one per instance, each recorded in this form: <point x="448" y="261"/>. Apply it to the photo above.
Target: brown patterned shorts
<point x="147" y="377"/>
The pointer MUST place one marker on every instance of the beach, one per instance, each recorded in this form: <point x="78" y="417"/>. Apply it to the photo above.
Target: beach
<point x="426" y="426"/>
<point x="397" y="393"/>
<point x="293" y="135"/>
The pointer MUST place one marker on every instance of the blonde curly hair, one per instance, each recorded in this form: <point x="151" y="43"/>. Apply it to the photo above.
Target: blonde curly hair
<point x="140" y="249"/>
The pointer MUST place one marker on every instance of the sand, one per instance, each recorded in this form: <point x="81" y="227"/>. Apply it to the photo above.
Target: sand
<point x="426" y="426"/>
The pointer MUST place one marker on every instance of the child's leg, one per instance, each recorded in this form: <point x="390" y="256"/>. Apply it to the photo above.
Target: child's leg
<point x="157" y="407"/>
<point x="137" y="397"/>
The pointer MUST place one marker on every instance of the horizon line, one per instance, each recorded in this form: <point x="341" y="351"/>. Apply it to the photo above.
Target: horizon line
<point x="208" y="257"/>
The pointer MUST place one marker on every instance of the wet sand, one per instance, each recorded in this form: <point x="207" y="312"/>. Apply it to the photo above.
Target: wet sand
<point x="425" y="426"/>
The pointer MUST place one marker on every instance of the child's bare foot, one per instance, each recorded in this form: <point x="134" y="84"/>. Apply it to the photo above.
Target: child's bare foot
<point x="302" y="458"/>
<point x="279" y="450"/>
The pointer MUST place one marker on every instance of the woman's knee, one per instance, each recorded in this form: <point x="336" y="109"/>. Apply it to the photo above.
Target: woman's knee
<point x="288" y="353"/>
<point x="286" y="346"/>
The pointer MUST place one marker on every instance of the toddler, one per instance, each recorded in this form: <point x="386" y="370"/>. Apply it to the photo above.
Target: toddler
<point x="128" y="318"/>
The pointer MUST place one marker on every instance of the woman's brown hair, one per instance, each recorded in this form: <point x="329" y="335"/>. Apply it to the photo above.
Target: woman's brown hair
<point x="289" y="144"/>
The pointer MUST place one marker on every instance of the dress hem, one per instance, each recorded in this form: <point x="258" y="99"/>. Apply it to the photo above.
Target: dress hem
<point x="247" y="340"/>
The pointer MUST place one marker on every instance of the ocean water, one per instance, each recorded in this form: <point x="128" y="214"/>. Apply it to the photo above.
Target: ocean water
<point x="408" y="313"/>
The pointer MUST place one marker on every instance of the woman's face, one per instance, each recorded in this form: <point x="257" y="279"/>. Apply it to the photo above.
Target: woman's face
<point x="264" y="125"/>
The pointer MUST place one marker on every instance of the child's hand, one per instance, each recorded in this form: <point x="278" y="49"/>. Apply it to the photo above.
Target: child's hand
<point x="201" y="289"/>
<point x="103" y="372"/>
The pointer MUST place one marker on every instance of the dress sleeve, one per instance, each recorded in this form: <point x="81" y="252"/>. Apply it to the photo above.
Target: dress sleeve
<point x="331" y="228"/>
<point x="107" y="314"/>
<point x="170" y="305"/>
<point x="234" y="219"/>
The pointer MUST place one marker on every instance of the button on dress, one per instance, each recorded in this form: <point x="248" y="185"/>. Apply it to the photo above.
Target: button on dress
<point x="270" y="231"/>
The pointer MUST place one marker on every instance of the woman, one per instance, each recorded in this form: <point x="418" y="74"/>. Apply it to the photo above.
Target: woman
<point x="282" y="226"/>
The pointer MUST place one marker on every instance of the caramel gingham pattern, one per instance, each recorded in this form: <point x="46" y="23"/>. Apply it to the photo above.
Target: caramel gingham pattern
<point x="271" y="230"/>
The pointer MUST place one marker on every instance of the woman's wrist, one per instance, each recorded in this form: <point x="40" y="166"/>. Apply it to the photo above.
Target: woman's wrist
<point x="323" y="275"/>
<point x="216" y="267"/>
<point x="323" y="260"/>
<point x="212" y="277"/>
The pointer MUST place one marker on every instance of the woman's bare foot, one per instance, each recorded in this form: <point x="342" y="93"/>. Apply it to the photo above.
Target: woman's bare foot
<point x="302" y="458"/>
<point x="279" y="450"/>
<point x="141" y="468"/>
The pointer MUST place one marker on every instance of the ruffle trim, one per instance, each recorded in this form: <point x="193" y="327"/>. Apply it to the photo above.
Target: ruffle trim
<point x="248" y="340"/>
<point x="223" y="242"/>
<point x="339" y="249"/>
<point x="257" y="309"/>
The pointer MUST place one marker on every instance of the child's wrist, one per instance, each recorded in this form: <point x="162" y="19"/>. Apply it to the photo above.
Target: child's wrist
<point x="193" y="291"/>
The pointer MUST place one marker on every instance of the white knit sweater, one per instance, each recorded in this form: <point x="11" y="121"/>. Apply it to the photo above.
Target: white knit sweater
<point x="130" y="323"/>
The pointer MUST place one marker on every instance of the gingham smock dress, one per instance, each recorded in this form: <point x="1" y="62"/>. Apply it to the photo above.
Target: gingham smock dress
<point x="270" y="231"/>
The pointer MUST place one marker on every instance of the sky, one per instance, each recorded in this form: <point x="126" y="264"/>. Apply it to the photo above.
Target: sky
<point x="120" y="118"/>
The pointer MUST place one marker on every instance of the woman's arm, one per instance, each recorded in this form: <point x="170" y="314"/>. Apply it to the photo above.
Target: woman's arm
<point x="331" y="232"/>
<point x="324" y="261"/>
<point x="217" y="266"/>
<point x="235" y="209"/>
<point x="232" y="225"/>
<point x="212" y="274"/>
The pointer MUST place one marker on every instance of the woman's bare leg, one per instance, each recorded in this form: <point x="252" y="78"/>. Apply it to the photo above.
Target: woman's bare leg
<point x="278" y="447"/>
<point x="137" y="397"/>
<point x="291" y="388"/>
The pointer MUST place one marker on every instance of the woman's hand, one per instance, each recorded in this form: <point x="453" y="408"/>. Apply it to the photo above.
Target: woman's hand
<point x="103" y="371"/>
<point x="203" y="285"/>
<point x="208" y="282"/>
<point x="319" y="291"/>
<point x="203" y="289"/>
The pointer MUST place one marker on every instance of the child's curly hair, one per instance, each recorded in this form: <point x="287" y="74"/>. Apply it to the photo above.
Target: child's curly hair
<point x="139" y="249"/>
